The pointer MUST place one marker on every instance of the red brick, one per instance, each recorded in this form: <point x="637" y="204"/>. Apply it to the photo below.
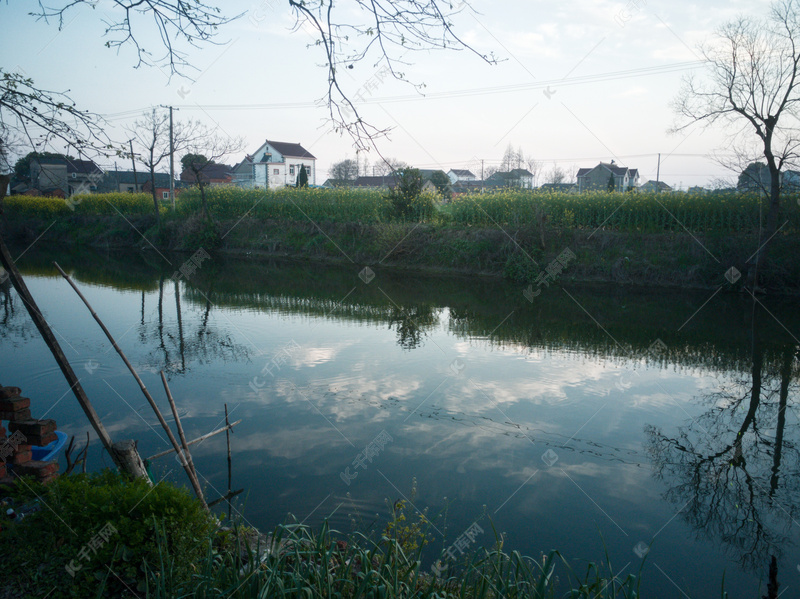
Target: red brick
<point x="3" y="472"/>
<point x="2" y="433"/>
<point x="14" y="404"/>
<point x="37" y="468"/>
<point x="19" y="457"/>
<point x="33" y="428"/>
<point x="40" y="441"/>
<point x="8" y="392"/>
<point x="16" y="416"/>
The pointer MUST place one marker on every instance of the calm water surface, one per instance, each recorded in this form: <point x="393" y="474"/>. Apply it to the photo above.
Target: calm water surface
<point x="589" y="416"/>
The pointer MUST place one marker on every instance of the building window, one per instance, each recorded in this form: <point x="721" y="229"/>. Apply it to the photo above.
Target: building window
<point x="165" y="195"/>
<point x="291" y="169"/>
<point x="276" y="171"/>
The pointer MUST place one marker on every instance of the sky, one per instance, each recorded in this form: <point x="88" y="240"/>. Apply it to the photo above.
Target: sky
<point x="575" y="83"/>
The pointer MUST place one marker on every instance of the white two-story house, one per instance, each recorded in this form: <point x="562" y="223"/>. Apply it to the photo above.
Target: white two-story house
<point x="275" y="164"/>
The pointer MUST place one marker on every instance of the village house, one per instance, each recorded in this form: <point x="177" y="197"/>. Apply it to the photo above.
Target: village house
<point x="274" y="164"/>
<point x="659" y="186"/>
<point x="607" y="176"/>
<point x="212" y="175"/>
<point x="138" y="182"/>
<point x="457" y="175"/>
<point x="520" y="178"/>
<point x="51" y="175"/>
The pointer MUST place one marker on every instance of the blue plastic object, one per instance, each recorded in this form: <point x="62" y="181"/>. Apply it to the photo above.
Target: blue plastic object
<point x="50" y="451"/>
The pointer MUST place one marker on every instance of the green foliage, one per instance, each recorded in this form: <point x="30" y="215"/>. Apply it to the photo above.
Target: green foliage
<point x="302" y="177"/>
<point x="640" y="211"/>
<point x="442" y="183"/>
<point x="296" y="561"/>
<point x="407" y="200"/>
<point x="288" y="203"/>
<point x="648" y="212"/>
<point x="193" y="160"/>
<point x="126" y="204"/>
<point x="38" y="549"/>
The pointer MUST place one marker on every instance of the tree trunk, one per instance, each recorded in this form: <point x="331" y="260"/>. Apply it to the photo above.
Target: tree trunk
<point x="126" y="455"/>
<point x="755" y="263"/>
<point x="153" y="190"/>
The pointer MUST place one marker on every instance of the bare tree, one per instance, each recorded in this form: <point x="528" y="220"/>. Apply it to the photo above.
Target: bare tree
<point x="34" y="117"/>
<point x="151" y="133"/>
<point x="344" y="171"/>
<point x="534" y="167"/>
<point x="178" y="24"/>
<point x="213" y="147"/>
<point x="556" y="175"/>
<point x="379" y="32"/>
<point x="387" y="166"/>
<point x="754" y="68"/>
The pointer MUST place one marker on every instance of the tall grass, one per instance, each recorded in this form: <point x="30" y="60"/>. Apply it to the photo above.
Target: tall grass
<point x="319" y="205"/>
<point x="622" y="211"/>
<point x="298" y="562"/>
<point x="646" y="212"/>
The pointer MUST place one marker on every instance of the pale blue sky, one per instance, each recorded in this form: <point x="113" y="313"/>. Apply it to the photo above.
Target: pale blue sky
<point x="551" y="95"/>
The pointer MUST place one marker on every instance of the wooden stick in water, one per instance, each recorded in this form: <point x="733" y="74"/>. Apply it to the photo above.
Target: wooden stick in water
<point x="187" y="455"/>
<point x="135" y="374"/>
<point x="193" y="441"/>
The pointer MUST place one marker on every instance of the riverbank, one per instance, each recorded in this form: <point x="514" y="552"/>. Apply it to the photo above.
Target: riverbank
<point x="521" y="248"/>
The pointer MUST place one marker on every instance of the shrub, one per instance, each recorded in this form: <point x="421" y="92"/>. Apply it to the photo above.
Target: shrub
<point x="39" y="549"/>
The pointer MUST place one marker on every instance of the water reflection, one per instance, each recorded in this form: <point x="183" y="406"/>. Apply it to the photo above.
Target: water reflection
<point x="735" y="469"/>
<point x="714" y="404"/>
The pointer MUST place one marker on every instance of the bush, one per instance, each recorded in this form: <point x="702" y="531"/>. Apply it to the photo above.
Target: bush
<point x="38" y="550"/>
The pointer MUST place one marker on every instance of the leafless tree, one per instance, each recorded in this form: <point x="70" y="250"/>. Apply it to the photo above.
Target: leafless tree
<point x="556" y="175"/>
<point x="151" y="134"/>
<point x="752" y="87"/>
<point x="35" y="117"/>
<point x="387" y="166"/>
<point x="214" y="147"/>
<point x="345" y="171"/>
<point x="380" y="33"/>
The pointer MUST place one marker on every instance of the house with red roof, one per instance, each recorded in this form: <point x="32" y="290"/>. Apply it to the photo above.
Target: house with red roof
<point x="275" y="164"/>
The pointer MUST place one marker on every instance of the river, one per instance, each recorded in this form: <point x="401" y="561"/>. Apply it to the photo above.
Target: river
<point x="660" y="426"/>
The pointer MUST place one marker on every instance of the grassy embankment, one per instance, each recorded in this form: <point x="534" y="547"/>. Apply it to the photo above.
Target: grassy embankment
<point x="648" y="239"/>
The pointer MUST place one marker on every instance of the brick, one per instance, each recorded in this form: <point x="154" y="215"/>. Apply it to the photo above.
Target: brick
<point x="33" y="428"/>
<point x="37" y="468"/>
<point x="3" y="470"/>
<point x="2" y="433"/>
<point x="16" y="416"/>
<point x="40" y="441"/>
<point x="9" y="392"/>
<point x="7" y="481"/>
<point x="19" y="457"/>
<point x="14" y="404"/>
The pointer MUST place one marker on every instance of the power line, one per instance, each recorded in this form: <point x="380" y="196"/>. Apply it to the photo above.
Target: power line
<point x="583" y="79"/>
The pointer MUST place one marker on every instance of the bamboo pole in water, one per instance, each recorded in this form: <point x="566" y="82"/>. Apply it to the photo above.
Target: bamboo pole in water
<point x="135" y="374"/>
<point x="186" y="454"/>
<point x="193" y="441"/>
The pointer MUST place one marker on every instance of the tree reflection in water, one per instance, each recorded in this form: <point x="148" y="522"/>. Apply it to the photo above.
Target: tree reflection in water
<point x="734" y="471"/>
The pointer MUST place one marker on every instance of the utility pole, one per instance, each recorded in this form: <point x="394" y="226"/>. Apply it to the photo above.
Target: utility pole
<point x="133" y="163"/>
<point x="171" y="162"/>
<point x="658" y="172"/>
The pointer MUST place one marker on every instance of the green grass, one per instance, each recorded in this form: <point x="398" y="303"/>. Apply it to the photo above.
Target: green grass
<point x="645" y="212"/>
